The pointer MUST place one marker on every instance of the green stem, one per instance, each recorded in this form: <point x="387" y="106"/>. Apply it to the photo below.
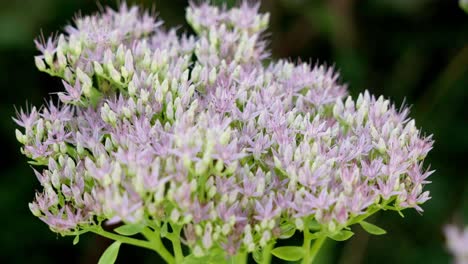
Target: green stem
<point x="306" y="246"/>
<point x="158" y="244"/>
<point x="371" y="212"/>
<point x="311" y="253"/>
<point x="135" y="242"/>
<point x="175" y="239"/>
<point x="240" y="258"/>
<point x="316" y="247"/>
<point x="123" y="239"/>
<point x="266" y="253"/>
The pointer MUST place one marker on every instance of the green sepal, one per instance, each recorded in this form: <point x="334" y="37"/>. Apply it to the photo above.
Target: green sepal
<point x="372" y="229"/>
<point x="110" y="255"/>
<point x="39" y="162"/>
<point x="76" y="239"/>
<point x="289" y="253"/>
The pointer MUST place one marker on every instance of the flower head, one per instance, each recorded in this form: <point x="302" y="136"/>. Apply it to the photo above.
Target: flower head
<point x="195" y="132"/>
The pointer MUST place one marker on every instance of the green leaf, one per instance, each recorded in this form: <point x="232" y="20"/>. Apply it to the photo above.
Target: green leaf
<point x="289" y="253"/>
<point x="372" y="229"/>
<point x="287" y="230"/>
<point x="129" y="229"/>
<point x="342" y="235"/>
<point x="76" y="240"/>
<point x="257" y="255"/>
<point x="110" y="255"/>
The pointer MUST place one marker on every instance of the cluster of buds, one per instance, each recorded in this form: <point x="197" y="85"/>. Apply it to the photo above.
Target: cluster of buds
<point x="204" y="135"/>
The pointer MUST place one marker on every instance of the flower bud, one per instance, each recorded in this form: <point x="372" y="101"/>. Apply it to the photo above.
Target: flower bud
<point x="98" y="68"/>
<point x="35" y="209"/>
<point x="20" y="137"/>
<point x="39" y="63"/>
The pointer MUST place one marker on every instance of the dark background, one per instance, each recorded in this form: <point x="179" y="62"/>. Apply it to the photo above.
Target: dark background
<point x="413" y="51"/>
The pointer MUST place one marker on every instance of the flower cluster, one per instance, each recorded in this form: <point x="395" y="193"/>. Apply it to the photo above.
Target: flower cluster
<point x="457" y="243"/>
<point x="203" y="134"/>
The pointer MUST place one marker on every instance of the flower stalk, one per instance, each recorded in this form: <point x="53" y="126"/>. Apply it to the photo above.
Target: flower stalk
<point x="155" y="239"/>
<point x="266" y="253"/>
<point x="311" y="253"/>
<point x="176" y="244"/>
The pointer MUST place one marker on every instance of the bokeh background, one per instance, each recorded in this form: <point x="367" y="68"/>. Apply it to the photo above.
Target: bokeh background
<point x="413" y="51"/>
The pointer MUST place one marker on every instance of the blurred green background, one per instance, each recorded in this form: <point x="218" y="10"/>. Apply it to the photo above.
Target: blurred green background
<point x="413" y="51"/>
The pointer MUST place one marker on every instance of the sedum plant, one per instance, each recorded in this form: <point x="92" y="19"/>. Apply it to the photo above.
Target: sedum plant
<point x="204" y="142"/>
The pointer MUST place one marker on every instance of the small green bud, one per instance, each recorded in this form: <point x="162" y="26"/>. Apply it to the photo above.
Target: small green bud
<point x="98" y="68"/>
<point x="20" y="137"/>
<point x="35" y="209"/>
<point x="39" y="63"/>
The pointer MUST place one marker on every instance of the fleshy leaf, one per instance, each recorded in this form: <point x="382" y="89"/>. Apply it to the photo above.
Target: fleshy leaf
<point x="76" y="240"/>
<point x="110" y="255"/>
<point x="257" y="255"/>
<point x="289" y="253"/>
<point x="129" y="229"/>
<point x="372" y="229"/>
<point x="287" y="230"/>
<point x="342" y="235"/>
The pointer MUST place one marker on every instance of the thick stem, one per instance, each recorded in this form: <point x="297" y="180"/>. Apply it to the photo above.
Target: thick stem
<point x="311" y="253"/>
<point x="158" y="244"/>
<point x="123" y="239"/>
<point x="306" y="246"/>
<point x="316" y="247"/>
<point x="266" y="253"/>
<point x="137" y="242"/>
